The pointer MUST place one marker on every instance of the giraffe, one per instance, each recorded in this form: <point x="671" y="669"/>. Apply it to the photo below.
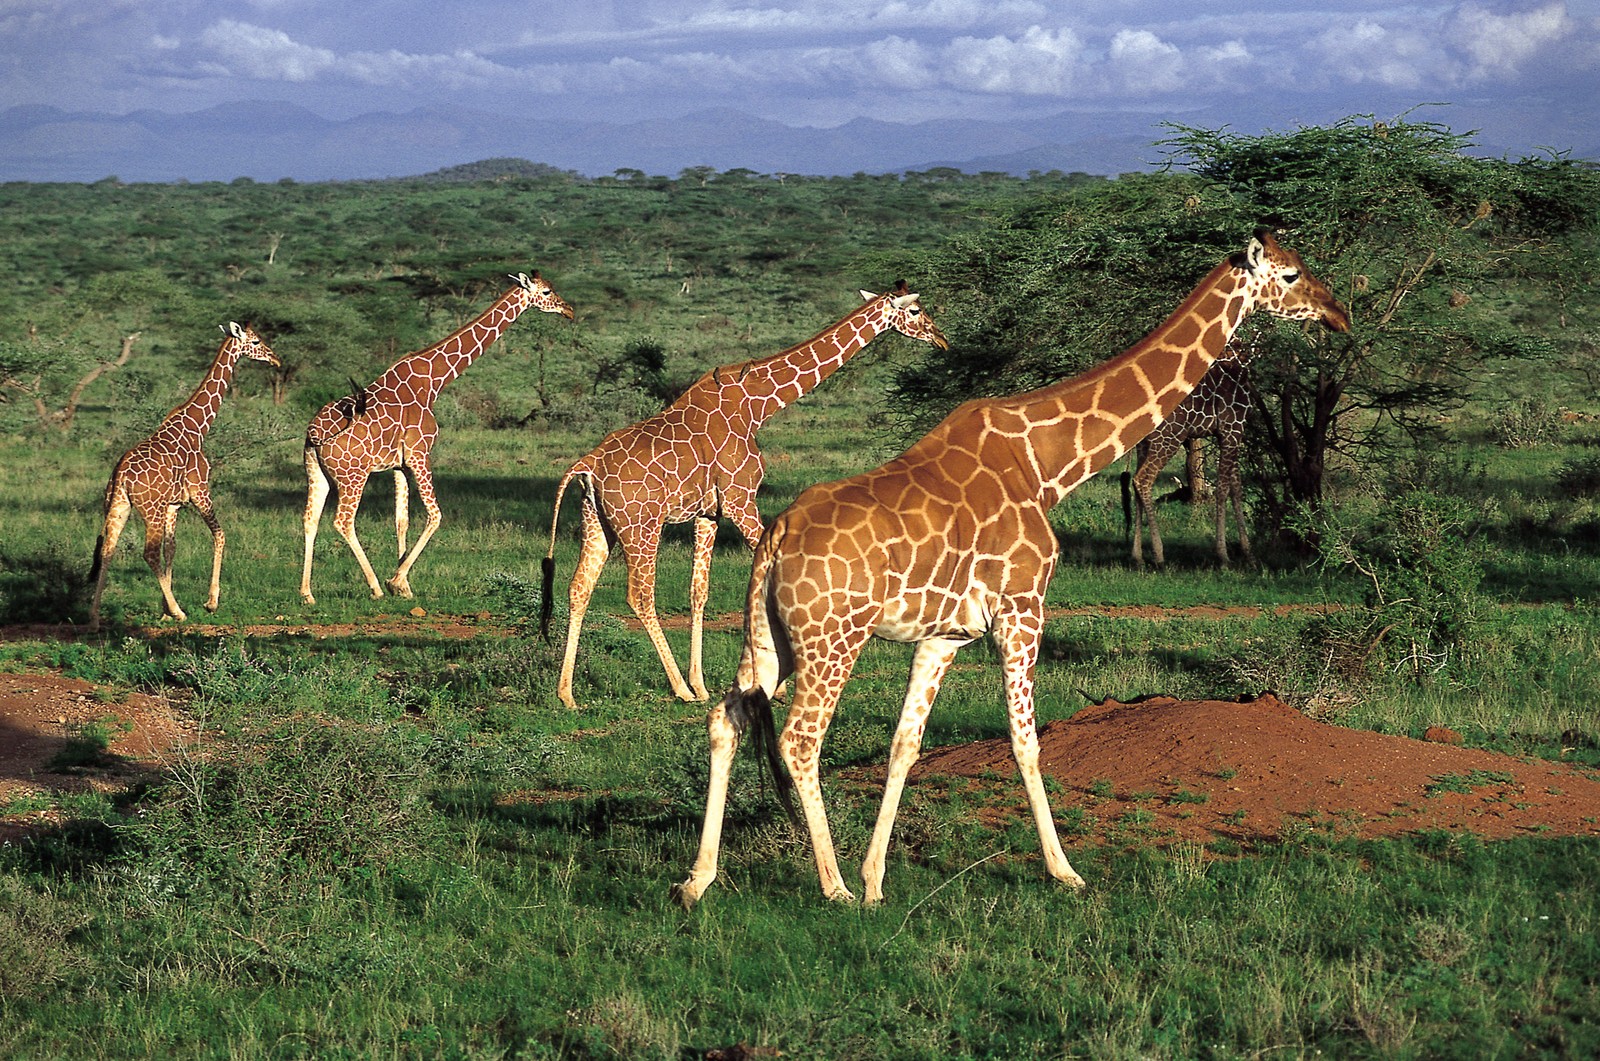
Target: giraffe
<point x="697" y="460"/>
<point x="1218" y="407"/>
<point x="389" y="424"/>
<point x="951" y="540"/>
<point x="169" y="470"/>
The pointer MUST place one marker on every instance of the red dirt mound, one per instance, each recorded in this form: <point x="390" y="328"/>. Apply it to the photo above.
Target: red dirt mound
<point x="1165" y="770"/>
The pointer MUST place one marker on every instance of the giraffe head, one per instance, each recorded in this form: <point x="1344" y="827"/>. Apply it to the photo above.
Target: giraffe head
<point x="904" y="313"/>
<point x="544" y="297"/>
<point x="1276" y="281"/>
<point x="249" y="343"/>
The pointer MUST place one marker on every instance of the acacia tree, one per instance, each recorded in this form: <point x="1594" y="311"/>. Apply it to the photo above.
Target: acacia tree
<point x="1420" y="240"/>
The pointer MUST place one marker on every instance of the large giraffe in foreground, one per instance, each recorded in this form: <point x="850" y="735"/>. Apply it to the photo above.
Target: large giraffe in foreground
<point x="1219" y="407"/>
<point x="952" y="539"/>
<point x="169" y="470"/>
<point x="389" y="424"/>
<point x="697" y="460"/>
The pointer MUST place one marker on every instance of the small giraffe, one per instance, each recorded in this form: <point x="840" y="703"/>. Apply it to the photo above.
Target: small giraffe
<point x="1218" y="407"/>
<point x="169" y="470"/>
<point x="951" y="540"/>
<point x="697" y="460"/>
<point x="389" y="424"/>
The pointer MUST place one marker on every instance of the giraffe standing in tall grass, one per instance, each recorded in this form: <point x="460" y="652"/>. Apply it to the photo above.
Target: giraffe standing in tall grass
<point x="952" y="540"/>
<point x="698" y="460"/>
<point x="389" y="424"/>
<point x="168" y="470"/>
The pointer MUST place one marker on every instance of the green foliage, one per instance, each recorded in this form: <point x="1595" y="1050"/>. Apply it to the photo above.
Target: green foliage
<point x="36" y="940"/>
<point x="1420" y="561"/>
<point x="390" y="840"/>
<point x="46" y="586"/>
<point x="304" y="803"/>
<point x="1417" y="237"/>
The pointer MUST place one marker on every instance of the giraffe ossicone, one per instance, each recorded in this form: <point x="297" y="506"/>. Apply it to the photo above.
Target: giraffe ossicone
<point x="952" y="540"/>
<point x="168" y="470"/>
<point x="698" y="460"/>
<point x="389" y="425"/>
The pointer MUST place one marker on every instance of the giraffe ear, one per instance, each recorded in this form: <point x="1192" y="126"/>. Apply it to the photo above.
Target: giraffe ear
<point x="234" y="329"/>
<point x="1256" y="252"/>
<point x="867" y="296"/>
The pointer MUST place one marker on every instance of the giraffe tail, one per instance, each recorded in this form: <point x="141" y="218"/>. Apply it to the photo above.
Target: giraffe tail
<point x="754" y="706"/>
<point x="1127" y="508"/>
<point x="94" y="568"/>
<point x="547" y="599"/>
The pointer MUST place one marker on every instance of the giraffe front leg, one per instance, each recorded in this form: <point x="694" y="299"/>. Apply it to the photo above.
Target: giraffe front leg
<point x="705" y="537"/>
<point x="1018" y="635"/>
<point x="316" y="497"/>
<point x="401" y="582"/>
<point x="202" y="504"/>
<point x="724" y="743"/>
<point x="928" y="667"/>
<point x="1230" y="491"/>
<point x="591" y="561"/>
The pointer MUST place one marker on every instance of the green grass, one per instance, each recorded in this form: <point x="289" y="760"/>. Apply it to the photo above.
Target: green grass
<point x="393" y="842"/>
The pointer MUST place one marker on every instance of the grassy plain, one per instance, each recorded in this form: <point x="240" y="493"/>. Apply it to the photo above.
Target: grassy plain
<point x="397" y="844"/>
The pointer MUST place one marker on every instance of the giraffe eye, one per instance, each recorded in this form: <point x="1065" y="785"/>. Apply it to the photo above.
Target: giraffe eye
<point x="1290" y="278"/>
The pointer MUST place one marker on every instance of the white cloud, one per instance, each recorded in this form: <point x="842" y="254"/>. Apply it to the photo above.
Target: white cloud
<point x="897" y="63"/>
<point x="1145" y="64"/>
<point x="1496" y="46"/>
<point x="267" y="54"/>
<point x="1040" y="62"/>
<point x="1370" y="52"/>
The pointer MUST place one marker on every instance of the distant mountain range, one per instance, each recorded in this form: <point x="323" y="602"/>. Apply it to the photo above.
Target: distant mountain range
<point x="268" y="141"/>
<point x="271" y="141"/>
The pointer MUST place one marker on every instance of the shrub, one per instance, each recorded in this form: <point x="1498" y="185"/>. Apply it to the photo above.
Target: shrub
<point x="1421" y="564"/>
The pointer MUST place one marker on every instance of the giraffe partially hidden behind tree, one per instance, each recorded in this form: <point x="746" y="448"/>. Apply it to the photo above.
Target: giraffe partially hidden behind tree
<point x="697" y="460"/>
<point x="168" y="470"/>
<point x="389" y="424"/>
<point x="1219" y="407"/>
<point x="950" y="540"/>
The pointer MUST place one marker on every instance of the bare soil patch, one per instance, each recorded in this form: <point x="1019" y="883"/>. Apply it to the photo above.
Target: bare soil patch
<point x="1163" y="770"/>
<point x="42" y="714"/>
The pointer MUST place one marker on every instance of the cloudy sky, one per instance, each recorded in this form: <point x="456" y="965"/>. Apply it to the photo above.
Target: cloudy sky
<point x="806" y="62"/>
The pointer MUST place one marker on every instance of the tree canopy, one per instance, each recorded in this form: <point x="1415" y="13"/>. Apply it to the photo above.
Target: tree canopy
<point x="1418" y="238"/>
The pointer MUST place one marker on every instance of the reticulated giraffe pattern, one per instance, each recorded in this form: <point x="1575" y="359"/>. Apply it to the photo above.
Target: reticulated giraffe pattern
<point x="1219" y="408"/>
<point x="951" y="540"/>
<point x="698" y="460"/>
<point x="168" y="470"/>
<point x="389" y="424"/>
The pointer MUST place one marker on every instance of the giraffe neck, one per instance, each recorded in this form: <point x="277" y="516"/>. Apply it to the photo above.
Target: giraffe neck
<point x="430" y="370"/>
<point x="196" y="415"/>
<point x="770" y="383"/>
<point x="1073" y="429"/>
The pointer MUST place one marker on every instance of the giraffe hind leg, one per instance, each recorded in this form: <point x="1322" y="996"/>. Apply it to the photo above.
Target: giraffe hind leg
<point x="317" y="488"/>
<point x="592" y="556"/>
<point x="400" y="584"/>
<point x="117" y="512"/>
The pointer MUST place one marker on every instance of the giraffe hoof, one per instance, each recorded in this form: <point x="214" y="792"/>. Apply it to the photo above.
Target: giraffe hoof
<point x="685" y="895"/>
<point x="306" y="598"/>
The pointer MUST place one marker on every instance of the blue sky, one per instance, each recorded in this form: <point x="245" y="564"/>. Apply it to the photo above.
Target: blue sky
<point x="812" y="62"/>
